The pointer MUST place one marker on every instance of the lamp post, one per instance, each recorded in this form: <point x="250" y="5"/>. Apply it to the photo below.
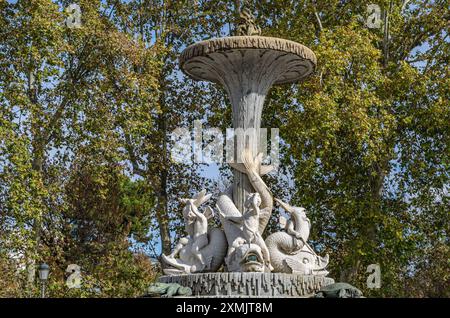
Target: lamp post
<point x="44" y="270"/>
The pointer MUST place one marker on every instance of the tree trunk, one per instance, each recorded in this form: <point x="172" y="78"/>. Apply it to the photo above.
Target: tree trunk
<point x="162" y="213"/>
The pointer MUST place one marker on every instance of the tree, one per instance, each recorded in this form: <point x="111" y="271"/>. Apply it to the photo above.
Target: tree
<point x="58" y="90"/>
<point x="367" y="137"/>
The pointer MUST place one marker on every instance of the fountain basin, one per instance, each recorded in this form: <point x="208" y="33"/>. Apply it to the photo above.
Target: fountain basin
<point x="241" y="284"/>
<point x="283" y="60"/>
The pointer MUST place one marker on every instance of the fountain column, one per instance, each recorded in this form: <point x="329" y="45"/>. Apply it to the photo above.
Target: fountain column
<point x="247" y="67"/>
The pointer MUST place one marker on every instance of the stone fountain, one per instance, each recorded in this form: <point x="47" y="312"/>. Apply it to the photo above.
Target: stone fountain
<point x="283" y="265"/>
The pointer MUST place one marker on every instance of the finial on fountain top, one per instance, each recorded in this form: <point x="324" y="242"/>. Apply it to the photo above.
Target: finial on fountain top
<point x="246" y="24"/>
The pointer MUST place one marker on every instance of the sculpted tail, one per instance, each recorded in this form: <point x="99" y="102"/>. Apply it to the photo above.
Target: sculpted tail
<point x="249" y="164"/>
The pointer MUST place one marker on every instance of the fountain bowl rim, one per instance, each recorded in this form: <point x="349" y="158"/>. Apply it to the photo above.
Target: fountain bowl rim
<point x="224" y="44"/>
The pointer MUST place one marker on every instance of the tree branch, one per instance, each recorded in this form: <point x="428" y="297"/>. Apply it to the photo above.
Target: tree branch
<point x="133" y="158"/>
<point x="316" y="14"/>
<point x="386" y="35"/>
<point x="405" y="3"/>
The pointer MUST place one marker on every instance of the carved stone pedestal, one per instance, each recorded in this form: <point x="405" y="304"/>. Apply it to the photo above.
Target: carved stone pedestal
<point x="250" y="284"/>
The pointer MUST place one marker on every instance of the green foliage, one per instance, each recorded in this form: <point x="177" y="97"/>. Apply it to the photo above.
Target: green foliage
<point x="368" y="140"/>
<point x="85" y="117"/>
<point x="65" y="95"/>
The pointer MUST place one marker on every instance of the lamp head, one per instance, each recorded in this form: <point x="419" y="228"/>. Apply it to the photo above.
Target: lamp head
<point x="44" y="270"/>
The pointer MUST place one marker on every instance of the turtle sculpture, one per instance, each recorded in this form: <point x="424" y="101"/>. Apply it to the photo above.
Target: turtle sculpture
<point x="339" y="290"/>
<point x="168" y="290"/>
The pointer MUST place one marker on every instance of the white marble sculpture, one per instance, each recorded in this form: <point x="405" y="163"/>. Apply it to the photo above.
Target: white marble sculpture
<point x="247" y="249"/>
<point x="240" y="246"/>
<point x="289" y="251"/>
<point x="246" y="66"/>
<point x="202" y="250"/>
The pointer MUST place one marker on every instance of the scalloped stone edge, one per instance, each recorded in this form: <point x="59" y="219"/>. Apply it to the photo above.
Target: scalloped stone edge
<point x="204" y="48"/>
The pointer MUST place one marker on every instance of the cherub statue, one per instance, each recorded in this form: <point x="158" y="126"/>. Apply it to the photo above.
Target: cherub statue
<point x="244" y="229"/>
<point x="201" y="250"/>
<point x="196" y="225"/>
<point x="250" y="225"/>
<point x="298" y="226"/>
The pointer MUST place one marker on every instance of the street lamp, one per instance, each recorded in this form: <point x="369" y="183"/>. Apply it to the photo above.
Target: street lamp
<point x="43" y="269"/>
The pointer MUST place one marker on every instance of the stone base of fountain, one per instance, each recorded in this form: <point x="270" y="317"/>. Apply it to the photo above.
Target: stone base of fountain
<point x="253" y="285"/>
